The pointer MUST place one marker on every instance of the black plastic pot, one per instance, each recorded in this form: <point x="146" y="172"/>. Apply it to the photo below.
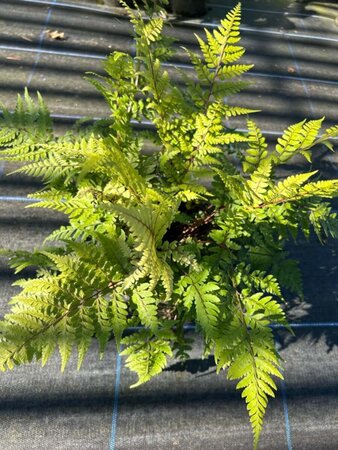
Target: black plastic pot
<point x="188" y="7"/>
<point x="181" y="7"/>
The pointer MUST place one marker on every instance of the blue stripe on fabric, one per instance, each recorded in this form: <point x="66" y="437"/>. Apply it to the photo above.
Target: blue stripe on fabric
<point x="9" y="198"/>
<point x="285" y="406"/>
<point x="116" y="402"/>
<point x="40" y="43"/>
<point x="192" y="327"/>
<point x="309" y="325"/>
<point x="72" y="6"/>
<point x="305" y="88"/>
<point x="76" y="117"/>
<point x="52" y="52"/>
<point x="286" y="415"/>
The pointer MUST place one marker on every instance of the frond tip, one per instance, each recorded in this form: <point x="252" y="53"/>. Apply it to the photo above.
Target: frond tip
<point x="254" y="367"/>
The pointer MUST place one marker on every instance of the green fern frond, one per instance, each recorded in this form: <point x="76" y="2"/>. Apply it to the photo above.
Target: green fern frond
<point x="309" y="134"/>
<point x="290" y="188"/>
<point x="118" y="314"/>
<point x="163" y="228"/>
<point x="257" y="150"/>
<point x="104" y="323"/>
<point x="262" y="310"/>
<point x="298" y="138"/>
<point x="148" y="225"/>
<point x="289" y="275"/>
<point x="21" y="259"/>
<point x="227" y="34"/>
<point x="220" y="54"/>
<point x="65" y="342"/>
<point x="254" y="366"/>
<point x="294" y="189"/>
<point x="224" y="89"/>
<point x="146" y="355"/>
<point x="25" y="130"/>
<point x="210" y="136"/>
<point x="260" y="182"/>
<point x="288" y="144"/>
<point x="199" y="292"/>
<point x="146" y="306"/>
<point x="232" y="111"/>
<point x="153" y="29"/>
<point x="324" y="189"/>
<point x="73" y="207"/>
<point x="331" y="132"/>
<point x="235" y="70"/>
<point x="56" y="311"/>
<point x="268" y="283"/>
<point x="54" y="166"/>
<point x="189" y="192"/>
<point x="234" y="184"/>
<point x="258" y="279"/>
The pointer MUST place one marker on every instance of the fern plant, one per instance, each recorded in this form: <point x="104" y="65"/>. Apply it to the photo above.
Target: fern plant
<point x="158" y="240"/>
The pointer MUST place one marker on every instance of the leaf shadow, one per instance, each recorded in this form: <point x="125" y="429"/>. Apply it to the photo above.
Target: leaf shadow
<point x="193" y="366"/>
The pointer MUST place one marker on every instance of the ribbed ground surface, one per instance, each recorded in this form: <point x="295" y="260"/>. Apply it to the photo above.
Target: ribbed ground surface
<point x="186" y="408"/>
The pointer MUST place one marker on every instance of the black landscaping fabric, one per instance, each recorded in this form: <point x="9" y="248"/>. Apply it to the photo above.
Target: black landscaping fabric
<point x="188" y="407"/>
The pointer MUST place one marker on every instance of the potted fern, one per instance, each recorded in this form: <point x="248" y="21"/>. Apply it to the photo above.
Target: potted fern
<point x="150" y="247"/>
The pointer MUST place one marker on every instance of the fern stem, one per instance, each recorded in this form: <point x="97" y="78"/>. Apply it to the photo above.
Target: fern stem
<point x="192" y="158"/>
<point x="294" y="198"/>
<point x="154" y="79"/>
<point x="250" y="349"/>
<point x="214" y="78"/>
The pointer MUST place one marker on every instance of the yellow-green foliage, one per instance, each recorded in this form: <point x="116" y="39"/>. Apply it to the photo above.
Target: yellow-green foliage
<point x="151" y="247"/>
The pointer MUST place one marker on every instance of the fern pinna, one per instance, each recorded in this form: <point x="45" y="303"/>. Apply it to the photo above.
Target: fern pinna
<point x="157" y="240"/>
